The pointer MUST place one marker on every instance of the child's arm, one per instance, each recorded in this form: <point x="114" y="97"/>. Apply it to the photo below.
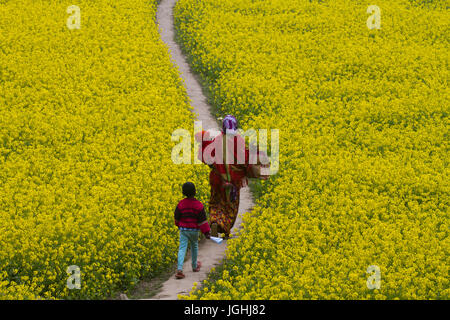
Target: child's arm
<point x="203" y="223"/>
<point x="177" y="216"/>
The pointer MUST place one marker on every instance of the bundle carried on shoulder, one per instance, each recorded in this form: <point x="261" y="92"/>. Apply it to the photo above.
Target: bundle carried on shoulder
<point x="259" y="170"/>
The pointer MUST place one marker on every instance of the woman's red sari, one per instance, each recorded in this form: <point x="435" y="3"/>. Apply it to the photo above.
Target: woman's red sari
<point x="225" y="179"/>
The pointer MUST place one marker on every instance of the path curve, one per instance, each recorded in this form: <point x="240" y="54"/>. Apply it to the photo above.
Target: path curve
<point x="210" y="253"/>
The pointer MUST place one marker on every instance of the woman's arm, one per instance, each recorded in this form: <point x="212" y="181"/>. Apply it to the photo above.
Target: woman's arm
<point x="204" y="138"/>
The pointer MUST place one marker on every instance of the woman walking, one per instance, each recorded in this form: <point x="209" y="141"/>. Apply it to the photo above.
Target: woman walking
<point x="229" y="161"/>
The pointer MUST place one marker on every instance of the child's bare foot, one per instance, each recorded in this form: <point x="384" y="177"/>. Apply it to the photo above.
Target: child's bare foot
<point x="179" y="274"/>
<point x="199" y="265"/>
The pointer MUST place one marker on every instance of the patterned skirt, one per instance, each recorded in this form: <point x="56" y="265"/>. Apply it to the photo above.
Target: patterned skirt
<point x="223" y="212"/>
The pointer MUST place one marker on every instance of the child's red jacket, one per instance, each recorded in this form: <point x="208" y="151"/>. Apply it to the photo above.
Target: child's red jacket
<point x="190" y="213"/>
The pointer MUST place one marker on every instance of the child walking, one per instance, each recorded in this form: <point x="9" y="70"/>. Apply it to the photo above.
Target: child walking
<point x="190" y="218"/>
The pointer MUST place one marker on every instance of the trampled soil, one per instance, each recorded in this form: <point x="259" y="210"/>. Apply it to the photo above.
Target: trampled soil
<point x="210" y="253"/>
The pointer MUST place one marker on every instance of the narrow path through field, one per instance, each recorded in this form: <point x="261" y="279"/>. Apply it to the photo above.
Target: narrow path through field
<point x="210" y="253"/>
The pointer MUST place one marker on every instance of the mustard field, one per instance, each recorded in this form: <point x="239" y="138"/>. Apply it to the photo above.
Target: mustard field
<point x="86" y="176"/>
<point x="359" y="208"/>
<point x="364" y="141"/>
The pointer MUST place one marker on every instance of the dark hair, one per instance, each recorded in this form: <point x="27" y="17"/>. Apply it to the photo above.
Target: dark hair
<point x="189" y="189"/>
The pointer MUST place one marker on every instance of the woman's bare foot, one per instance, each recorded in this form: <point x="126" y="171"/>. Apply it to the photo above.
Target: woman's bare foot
<point x="214" y="232"/>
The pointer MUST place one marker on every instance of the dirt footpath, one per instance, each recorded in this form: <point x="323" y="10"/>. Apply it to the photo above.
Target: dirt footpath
<point x="210" y="253"/>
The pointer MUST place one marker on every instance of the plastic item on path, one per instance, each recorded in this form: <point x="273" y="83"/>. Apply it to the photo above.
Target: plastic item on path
<point x="216" y="240"/>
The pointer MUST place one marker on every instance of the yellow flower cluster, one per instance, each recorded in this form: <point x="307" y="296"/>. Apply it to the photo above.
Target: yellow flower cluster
<point x="86" y="176"/>
<point x="363" y="120"/>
